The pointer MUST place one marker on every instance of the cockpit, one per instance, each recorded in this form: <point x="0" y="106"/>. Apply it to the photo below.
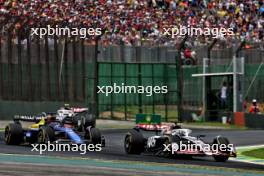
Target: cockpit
<point x="182" y="132"/>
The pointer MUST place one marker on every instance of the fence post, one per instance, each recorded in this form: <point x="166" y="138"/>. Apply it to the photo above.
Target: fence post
<point x="39" y="69"/>
<point x="122" y="56"/>
<point x="1" y="70"/>
<point x="47" y="67"/>
<point x="96" y="69"/>
<point x="165" y="79"/>
<point x="153" y="96"/>
<point x="74" y="77"/>
<point x="30" y="90"/>
<point x="111" y="82"/>
<point x="83" y="70"/>
<point x="57" y="65"/>
<point x="19" y="71"/>
<point x="10" y="66"/>
<point x="125" y="70"/>
<point x="66" y="81"/>
<point x="179" y="71"/>
<point x="138" y="59"/>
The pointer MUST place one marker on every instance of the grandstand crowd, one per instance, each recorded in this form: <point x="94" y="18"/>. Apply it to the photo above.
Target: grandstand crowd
<point x="133" y="22"/>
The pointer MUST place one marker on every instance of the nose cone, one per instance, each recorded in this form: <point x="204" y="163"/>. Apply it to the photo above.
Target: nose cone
<point x="75" y="138"/>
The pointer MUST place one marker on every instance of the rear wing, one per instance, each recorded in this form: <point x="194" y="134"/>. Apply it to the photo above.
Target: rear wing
<point x="79" y="110"/>
<point x="148" y="119"/>
<point x="33" y="118"/>
<point x="154" y="127"/>
<point x="27" y="118"/>
<point x="151" y="122"/>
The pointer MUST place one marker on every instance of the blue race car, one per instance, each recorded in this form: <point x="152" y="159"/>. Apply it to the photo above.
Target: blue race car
<point x="67" y="125"/>
<point x="65" y="132"/>
<point x="71" y="126"/>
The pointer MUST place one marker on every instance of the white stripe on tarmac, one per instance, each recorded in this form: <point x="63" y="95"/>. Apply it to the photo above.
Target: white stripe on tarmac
<point x="250" y="146"/>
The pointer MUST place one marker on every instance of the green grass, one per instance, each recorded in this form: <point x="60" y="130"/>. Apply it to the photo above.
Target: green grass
<point x="101" y="126"/>
<point x="215" y="124"/>
<point x="197" y="124"/>
<point x="158" y="109"/>
<point x="256" y="153"/>
<point x="119" y="114"/>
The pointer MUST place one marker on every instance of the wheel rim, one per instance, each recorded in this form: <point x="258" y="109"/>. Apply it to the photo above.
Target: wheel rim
<point x="166" y="153"/>
<point x="7" y="135"/>
<point x="41" y="138"/>
<point x="128" y="143"/>
<point x="95" y="137"/>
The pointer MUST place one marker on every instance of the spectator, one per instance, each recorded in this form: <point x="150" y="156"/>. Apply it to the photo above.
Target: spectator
<point x="133" y="21"/>
<point x="223" y="96"/>
<point x="254" y="109"/>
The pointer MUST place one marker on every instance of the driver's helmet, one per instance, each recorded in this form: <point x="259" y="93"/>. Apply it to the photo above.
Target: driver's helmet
<point x="62" y="113"/>
<point x="40" y="116"/>
<point x="165" y="131"/>
<point x="182" y="132"/>
<point x="67" y="106"/>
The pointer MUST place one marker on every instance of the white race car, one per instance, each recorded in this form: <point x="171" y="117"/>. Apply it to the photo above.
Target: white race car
<point x="173" y="140"/>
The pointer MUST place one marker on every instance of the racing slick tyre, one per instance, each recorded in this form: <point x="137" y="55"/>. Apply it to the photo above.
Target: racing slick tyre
<point x="134" y="142"/>
<point x="45" y="134"/>
<point x="84" y="120"/>
<point x="96" y="136"/>
<point x="89" y="120"/>
<point x="174" y="139"/>
<point x="167" y="154"/>
<point x="14" y="134"/>
<point x="220" y="141"/>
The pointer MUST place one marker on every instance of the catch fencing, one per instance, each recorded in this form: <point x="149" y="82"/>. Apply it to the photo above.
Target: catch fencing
<point x="68" y="70"/>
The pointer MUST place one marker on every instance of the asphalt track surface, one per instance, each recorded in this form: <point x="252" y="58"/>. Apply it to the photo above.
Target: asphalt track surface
<point x="114" y="149"/>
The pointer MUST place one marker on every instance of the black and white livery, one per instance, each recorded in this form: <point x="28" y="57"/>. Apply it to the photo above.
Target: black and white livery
<point x="172" y="140"/>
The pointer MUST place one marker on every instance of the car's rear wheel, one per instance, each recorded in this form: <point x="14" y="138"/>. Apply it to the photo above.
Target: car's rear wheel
<point x="96" y="136"/>
<point x="221" y="141"/>
<point x="46" y="134"/>
<point x="175" y="140"/>
<point x="90" y="120"/>
<point x="134" y="142"/>
<point x="167" y="153"/>
<point x="84" y="120"/>
<point x="14" y="134"/>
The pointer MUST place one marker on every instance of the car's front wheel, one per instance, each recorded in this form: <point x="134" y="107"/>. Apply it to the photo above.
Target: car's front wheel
<point x="13" y="134"/>
<point x="134" y="142"/>
<point x="96" y="136"/>
<point x="46" y="134"/>
<point x="218" y="141"/>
